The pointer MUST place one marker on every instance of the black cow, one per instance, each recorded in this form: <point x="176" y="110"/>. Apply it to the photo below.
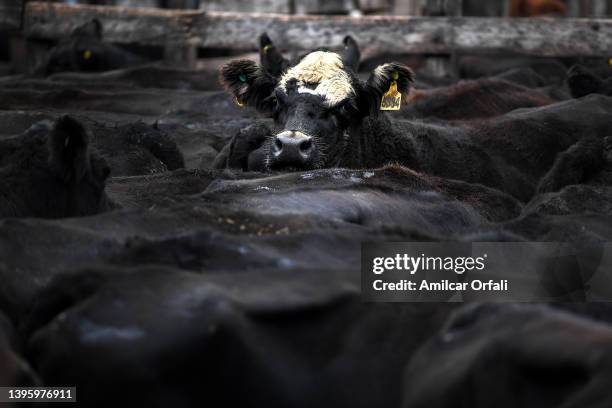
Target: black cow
<point x="130" y="148"/>
<point x="136" y="148"/>
<point x="85" y="50"/>
<point x="14" y="371"/>
<point x="51" y="173"/>
<point x="546" y="358"/>
<point x="464" y="100"/>
<point x="469" y="100"/>
<point x="589" y="161"/>
<point x="285" y="222"/>
<point x="578" y="182"/>
<point x="324" y="116"/>
<point x="251" y="338"/>
<point x="583" y="81"/>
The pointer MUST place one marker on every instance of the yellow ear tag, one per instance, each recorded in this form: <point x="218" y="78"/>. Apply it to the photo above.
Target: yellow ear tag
<point x="266" y="48"/>
<point x="610" y="61"/>
<point x="87" y="54"/>
<point x="66" y="141"/>
<point x="239" y="102"/>
<point x="392" y="100"/>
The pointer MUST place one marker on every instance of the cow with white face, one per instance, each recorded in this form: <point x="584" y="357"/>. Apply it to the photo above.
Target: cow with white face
<point x="318" y="104"/>
<point x="324" y="117"/>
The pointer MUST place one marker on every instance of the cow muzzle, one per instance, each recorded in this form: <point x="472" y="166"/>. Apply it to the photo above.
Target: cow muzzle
<point x="292" y="149"/>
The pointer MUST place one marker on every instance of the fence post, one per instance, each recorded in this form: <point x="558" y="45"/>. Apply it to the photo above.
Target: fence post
<point x="599" y="8"/>
<point x="442" y="66"/>
<point x="407" y="7"/>
<point x="443" y="8"/>
<point x="573" y="8"/>
<point x="183" y="54"/>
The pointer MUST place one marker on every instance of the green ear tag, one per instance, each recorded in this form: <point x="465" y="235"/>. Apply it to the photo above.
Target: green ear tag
<point x="242" y="78"/>
<point x="66" y="141"/>
<point x="394" y="75"/>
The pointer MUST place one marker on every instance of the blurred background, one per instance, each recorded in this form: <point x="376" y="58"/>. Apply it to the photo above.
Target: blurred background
<point x="490" y="8"/>
<point x="21" y="50"/>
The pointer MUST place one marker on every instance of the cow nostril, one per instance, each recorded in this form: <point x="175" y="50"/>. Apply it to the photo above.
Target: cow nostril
<point x="305" y="146"/>
<point x="278" y="145"/>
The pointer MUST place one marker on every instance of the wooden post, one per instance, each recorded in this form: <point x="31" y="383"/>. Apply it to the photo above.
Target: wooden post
<point x="408" y="8"/>
<point x="599" y="8"/>
<point x="442" y="66"/>
<point x="585" y="6"/>
<point x="507" y="5"/>
<point x="572" y="9"/>
<point x="443" y="8"/>
<point x="181" y="54"/>
<point x="594" y="8"/>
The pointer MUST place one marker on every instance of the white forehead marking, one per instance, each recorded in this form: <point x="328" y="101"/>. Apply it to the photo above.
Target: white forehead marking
<point x="326" y="71"/>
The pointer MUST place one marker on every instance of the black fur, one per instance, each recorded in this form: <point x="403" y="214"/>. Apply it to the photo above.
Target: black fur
<point x="50" y="172"/>
<point x="509" y="152"/>
<point x="244" y="150"/>
<point x="582" y="81"/>
<point x="68" y="145"/>
<point x="378" y="84"/>
<point x="327" y="127"/>
<point x="270" y="58"/>
<point x="92" y="28"/>
<point x="351" y="55"/>
<point x="576" y="165"/>
<point x="257" y="88"/>
<point x="85" y="50"/>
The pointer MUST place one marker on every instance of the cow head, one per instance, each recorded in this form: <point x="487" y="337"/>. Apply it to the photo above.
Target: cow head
<point x="85" y="50"/>
<point x="88" y="47"/>
<point x="50" y="172"/>
<point x="315" y="103"/>
<point x="82" y="50"/>
<point x="581" y="81"/>
<point x="77" y="176"/>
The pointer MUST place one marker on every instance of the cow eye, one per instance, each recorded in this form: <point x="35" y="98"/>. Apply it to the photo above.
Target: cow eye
<point x="276" y="108"/>
<point x="281" y="98"/>
<point x="345" y="110"/>
<point x="343" y="113"/>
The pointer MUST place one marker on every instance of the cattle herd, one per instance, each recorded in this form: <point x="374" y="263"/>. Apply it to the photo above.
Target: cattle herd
<point x="167" y="242"/>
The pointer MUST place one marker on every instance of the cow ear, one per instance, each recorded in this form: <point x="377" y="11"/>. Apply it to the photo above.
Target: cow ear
<point x="249" y="84"/>
<point x="69" y="155"/>
<point x="92" y="28"/>
<point x="380" y="83"/>
<point x="351" y="55"/>
<point x="270" y="57"/>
